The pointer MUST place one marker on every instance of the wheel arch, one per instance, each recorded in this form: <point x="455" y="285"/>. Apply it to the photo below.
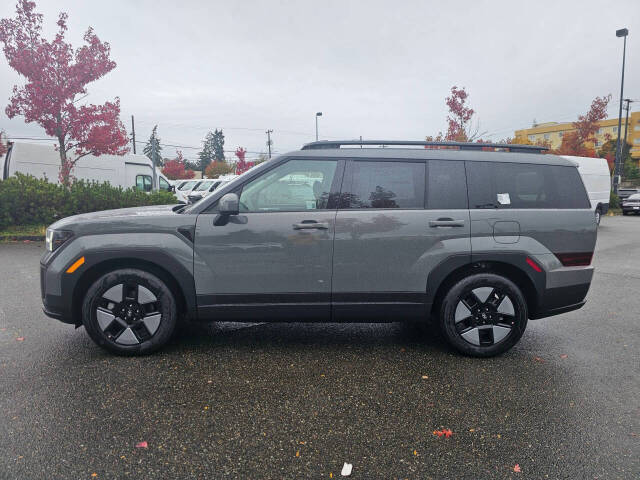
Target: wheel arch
<point x="503" y="268"/>
<point x="91" y="274"/>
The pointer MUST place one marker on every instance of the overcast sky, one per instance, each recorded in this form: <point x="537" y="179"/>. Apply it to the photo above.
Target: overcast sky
<point x="380" y="69"/>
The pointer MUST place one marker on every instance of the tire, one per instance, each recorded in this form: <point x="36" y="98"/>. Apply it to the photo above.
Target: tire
<point x="598" y="216"/>
<point x="625" y="213"/>
<point x="478" y="321"/>
<point x="129" y="312"/>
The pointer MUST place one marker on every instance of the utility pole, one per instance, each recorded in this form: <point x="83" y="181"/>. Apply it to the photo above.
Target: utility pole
<point x="623" y="32"/>
<point x="269" y="132"/>
<point x="626" y="121"/>
<point x="133" y="134"/>
<point x="153" y="161"/>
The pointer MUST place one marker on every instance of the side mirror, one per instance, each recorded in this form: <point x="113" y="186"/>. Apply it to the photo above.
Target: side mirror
<point x="172" y="188"/>
<point x="229" y="204"/>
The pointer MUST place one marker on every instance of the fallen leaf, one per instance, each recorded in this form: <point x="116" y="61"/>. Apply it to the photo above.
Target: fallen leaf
<point x="402" y="350"/>
<point x="538" y="359"/>
<point x="516" y="468"/>
<point x="346" y="469"/>
<point x="330" y="475"/>
<point x="206" y="407"/>
<point x="472" y="429"/>
<point x="94" y="474"/>
<point x="20" y="339"/>
<point x="446" y="432"/>
<point x="298" y="453"/>
<point x="424" y="377"/>
<point x="564" y="355"/>
<point x="415" y="452"/>
<point x="141" y="445"/>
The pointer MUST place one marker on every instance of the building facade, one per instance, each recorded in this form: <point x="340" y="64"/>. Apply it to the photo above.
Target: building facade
<point x="552" y="132"/>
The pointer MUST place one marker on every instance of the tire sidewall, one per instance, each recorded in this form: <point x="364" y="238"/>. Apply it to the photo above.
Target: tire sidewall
<point x="450" y="302"/>
<point x="155" y="285"/>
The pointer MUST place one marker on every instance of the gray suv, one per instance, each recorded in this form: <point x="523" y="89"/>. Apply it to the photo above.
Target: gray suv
<point x="479" y="241"/>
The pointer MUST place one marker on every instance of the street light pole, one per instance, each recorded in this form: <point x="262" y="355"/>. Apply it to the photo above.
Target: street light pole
<point x="623" y="32"/>
<point x="318" y="114"/>
<point x="626" y="123"/>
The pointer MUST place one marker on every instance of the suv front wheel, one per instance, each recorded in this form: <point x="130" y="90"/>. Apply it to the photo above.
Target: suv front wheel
<point x="483" y="315"/>
<point x="129" y="312"/>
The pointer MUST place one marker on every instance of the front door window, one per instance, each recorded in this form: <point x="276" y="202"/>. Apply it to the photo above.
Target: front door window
<point x="297" y="185"/>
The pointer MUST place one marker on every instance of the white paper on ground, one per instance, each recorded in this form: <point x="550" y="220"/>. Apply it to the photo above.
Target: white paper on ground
<point x="346" y="469"/>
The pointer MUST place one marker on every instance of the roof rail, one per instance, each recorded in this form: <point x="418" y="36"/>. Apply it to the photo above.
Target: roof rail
<point x="510" y="147"/>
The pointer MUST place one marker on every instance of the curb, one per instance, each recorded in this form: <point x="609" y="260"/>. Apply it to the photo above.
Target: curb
<point x="21" y="238"/>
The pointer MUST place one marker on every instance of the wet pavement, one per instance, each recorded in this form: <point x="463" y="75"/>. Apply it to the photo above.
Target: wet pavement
<point x="298" y="400"/>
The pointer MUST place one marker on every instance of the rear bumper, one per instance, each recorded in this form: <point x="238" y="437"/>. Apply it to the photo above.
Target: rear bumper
<point x="555" y="301"/>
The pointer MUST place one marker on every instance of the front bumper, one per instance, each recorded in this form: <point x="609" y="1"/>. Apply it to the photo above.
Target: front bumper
<point x="53" y="306"/>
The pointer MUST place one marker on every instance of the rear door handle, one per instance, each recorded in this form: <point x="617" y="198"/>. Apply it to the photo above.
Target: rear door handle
<point x="310" y="225"/>
<point x="446" y="222"/>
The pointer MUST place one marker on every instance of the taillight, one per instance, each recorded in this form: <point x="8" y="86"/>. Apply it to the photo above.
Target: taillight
<point x="580" y="259"/>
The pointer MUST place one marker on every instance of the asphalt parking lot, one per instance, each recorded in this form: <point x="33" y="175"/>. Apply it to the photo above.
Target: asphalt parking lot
<point x="298" y="400"/>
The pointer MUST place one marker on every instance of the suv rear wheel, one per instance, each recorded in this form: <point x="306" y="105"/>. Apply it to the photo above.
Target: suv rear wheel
<point x="483" y="315"/>
<point x="129" y="312"/>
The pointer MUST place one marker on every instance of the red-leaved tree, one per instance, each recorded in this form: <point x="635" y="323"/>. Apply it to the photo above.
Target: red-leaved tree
<point x="175" y="169"/>
<point x="56" y="78"/>
<point x="459" y="125"/>
<point x="242" y="165"/>
<point x="581" y="140"/>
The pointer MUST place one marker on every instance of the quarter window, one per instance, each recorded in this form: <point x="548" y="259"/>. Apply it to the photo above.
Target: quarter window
<point x="384" y="185"/>
<point x="524" y="185"/>
<point x="293" y="186"/>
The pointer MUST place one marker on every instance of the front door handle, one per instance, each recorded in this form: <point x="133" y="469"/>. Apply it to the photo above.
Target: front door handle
<point x="446" y="222"/>
<point x="310" y="225"/>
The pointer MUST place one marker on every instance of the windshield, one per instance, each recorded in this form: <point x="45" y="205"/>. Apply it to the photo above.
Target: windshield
<point x="202" y="186"/>
<point x="187" y="185"/>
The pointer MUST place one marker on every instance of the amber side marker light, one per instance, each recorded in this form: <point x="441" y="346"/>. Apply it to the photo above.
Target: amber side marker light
<point x="76" y="265"/>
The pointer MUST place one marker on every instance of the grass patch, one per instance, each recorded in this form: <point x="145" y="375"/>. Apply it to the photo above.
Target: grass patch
<point x="22" y="232"/>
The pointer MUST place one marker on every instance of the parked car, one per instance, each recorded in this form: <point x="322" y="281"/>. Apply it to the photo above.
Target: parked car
<point x="196" y="196"/>
<point x="597" y="180"/>
<point x="479" y="241"/>
<point x="42" y="161"/>
<point x="198" y="191"/>
<point x="183" y="188"/>
<point x="631" y="204"/>
<point x="624" y="193"/>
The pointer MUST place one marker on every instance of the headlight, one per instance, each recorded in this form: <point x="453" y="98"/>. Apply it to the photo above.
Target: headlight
<point x="55" y="238"/>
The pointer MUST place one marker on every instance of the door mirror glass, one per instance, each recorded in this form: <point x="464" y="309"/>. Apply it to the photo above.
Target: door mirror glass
<point x="229" y="204"/>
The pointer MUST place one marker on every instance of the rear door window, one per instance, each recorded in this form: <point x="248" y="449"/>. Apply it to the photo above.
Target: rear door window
<point x="446" y="185"/>
<point x="371" y="184"/>
<point x="524" y="185"/>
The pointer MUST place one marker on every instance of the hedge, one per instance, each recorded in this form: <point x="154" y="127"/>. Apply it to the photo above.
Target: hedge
<point x="26" y="200"/>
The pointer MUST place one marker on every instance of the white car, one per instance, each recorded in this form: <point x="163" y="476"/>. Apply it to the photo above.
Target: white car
<point x="183" y="187"/>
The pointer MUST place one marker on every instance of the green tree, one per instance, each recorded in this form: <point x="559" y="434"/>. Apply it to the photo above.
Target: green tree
<point x="218" y="145"/>
<point x="148" y="148"/>
<point x="207" y="154"/>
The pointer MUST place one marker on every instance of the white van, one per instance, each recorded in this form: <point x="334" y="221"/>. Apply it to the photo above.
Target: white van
<point x="597" y="180"/>
<point x="41" y="160"/>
